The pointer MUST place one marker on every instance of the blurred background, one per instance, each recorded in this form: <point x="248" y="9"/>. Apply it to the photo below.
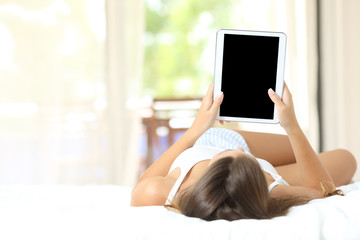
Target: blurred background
<point x="93" y="91"/>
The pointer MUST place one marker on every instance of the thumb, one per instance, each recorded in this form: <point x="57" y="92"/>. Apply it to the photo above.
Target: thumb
<point x="217" y="101"/>
<point x="274" y="97"/>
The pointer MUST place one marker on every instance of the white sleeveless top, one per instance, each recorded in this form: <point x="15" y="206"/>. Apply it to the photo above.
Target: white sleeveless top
<point x="190" y="157"/>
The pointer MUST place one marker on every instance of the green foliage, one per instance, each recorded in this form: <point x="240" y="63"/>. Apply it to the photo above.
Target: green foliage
<point x="177" y="34"/>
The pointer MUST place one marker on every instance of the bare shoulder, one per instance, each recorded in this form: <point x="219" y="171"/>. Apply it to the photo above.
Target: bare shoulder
<point x="295" y="191"/>
<point x="151" y="191"/>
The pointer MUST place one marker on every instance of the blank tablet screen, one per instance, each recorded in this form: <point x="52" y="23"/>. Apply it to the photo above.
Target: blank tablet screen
<point x="249" y="69"/>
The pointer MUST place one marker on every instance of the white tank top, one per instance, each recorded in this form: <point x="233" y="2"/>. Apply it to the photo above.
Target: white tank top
<point x="190" y="157"/>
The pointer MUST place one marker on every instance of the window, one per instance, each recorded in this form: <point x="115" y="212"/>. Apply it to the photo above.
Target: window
<point x="180" y="43"/>
<point x="52" y="91"/>
<point x="180" y="40"/>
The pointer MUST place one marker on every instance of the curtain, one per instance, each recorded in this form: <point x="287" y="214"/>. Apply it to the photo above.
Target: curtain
<point x="302" y="74"/>
<point x="125" y="23"/>
<point x="298" y="20"/>
<point x="340" y="74"/>
<point x="52" y="98"/>
<point x="69" y="74"/>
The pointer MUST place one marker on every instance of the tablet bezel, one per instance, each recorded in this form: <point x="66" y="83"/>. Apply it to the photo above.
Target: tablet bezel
<point x="219" y="66"/>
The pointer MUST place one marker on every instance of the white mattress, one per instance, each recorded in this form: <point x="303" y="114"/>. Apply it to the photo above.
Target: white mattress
<point x="103" y="212"/>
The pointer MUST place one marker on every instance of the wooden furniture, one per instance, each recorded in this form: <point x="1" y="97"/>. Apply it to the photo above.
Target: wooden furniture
<point x="174" y="115"/>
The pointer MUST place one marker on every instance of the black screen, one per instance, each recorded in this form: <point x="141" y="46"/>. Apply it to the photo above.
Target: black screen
<point x="249" y="70"/>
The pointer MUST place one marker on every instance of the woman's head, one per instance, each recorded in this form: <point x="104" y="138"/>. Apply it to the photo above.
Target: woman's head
<point x="233" y="187"/>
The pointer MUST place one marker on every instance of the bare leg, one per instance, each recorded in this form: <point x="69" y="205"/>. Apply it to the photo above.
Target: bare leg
<point x="340" y="163"/>
<point x="274" y="148"/>
<point x="277" y="150"/>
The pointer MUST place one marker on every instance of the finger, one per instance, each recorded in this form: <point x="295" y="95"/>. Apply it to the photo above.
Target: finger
<point x="274" y="97"/>
<point x="217" y="101"/>
<point x="209" y="93"/>
<point x="221" y="122"/>
<point x="287" y="97"/>
<point x="286" y="89"/>
<point x="285" y="85"/>
<point x="207" y="100"/>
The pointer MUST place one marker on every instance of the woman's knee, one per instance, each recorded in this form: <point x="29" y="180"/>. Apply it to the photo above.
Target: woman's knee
<point x="347" y="158"/>
<point x="341" y="164"/>
<point x="349" y="162"/>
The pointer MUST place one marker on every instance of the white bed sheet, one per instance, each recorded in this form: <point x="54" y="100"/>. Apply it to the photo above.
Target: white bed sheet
<point x="103" y="212"/>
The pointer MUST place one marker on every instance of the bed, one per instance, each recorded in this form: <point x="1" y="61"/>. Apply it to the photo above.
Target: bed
<point x="103" y="212"/>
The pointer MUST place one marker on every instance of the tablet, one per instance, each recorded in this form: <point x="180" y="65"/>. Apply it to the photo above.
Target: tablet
<point x="247" y="64"/>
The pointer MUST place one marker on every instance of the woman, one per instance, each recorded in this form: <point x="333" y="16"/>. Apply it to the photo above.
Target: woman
<point x="212" y="174"/>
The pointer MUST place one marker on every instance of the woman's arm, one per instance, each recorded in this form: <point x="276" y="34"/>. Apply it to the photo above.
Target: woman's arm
<point x="312" y="172"/>
<point x="275" y="148"/>
<point x="154" y="185"/>
<point x="205" y="118"/>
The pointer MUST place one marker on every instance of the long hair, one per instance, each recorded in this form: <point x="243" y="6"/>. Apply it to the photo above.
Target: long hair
<point x="233" y="189"/>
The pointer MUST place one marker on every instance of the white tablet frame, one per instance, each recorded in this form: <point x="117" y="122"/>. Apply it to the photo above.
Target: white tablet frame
<point x="279" y="75"/>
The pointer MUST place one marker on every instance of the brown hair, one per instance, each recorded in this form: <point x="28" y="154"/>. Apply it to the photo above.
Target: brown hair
<point x="233" y="189"/>
<point x="327" y="193"/>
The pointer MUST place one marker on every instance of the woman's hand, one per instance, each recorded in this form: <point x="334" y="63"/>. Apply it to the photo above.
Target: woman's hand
<point x="312" y="172"/>
<point x="209" y="108"/>
<point x="285" y="108"/>
<point x="203" y="121"/>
